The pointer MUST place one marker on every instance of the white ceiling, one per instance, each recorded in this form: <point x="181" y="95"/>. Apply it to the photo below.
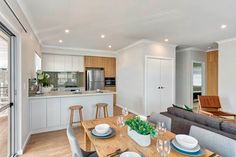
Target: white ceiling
<point x="184" y="22"/>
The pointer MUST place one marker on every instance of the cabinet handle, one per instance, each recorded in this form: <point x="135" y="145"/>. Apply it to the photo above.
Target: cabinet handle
<point x="158" y="87"/>
<point x="162" y="87"/>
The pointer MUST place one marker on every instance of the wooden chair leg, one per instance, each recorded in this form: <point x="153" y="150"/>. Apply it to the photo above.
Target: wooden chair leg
<point x="107" y="112"/>
<point x="71" y="117"/>
<point x="104" y="110"/>
<point x="96" y="112"/>
<point x="80" y="115"/>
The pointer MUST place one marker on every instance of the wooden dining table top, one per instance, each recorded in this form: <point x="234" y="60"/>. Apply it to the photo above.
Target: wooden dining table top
<point x="110" y="145"/>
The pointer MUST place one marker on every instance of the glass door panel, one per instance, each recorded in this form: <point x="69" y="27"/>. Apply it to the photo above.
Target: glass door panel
<point x="5" y="116"/>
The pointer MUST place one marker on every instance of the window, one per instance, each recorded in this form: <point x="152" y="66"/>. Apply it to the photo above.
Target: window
<point x="38" y="64"/>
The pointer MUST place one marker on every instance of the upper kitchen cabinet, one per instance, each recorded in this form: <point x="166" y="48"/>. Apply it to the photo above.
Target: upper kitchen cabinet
<point x="108" y="63"/>
<point x="61" y="63"/>
<point x="48" y="63"/>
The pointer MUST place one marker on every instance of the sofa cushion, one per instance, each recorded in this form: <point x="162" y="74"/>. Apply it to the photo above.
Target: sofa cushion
<point x="181" y="113"/>
<point x="207" y="121"/>
<point x="229" y="127"/>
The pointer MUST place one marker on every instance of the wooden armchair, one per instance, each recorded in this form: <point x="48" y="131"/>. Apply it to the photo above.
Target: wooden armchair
<point x="211" y="106"/>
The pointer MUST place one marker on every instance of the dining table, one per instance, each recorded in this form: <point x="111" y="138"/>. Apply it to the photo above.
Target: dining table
<point x="121" y="141"/>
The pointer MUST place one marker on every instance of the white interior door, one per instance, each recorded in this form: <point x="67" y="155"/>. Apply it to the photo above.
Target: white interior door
<point x="153" y="84"/>
<point x="166" y="84"/>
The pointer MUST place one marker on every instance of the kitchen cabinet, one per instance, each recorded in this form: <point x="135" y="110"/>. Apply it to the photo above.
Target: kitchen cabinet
<point x="108" y="63"/>
<point x="49" y="113"/>
<point x="60" y="63"/>
<point x="48" y="62"/>
<point x="53" y="112"/>
<point x="37" y="114"/>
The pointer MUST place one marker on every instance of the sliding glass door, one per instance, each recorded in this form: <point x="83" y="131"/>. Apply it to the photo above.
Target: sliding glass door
<point x="6" y="94"/>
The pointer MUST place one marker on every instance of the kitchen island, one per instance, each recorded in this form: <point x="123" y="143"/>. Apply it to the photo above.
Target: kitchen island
<point x="50" y="111"/>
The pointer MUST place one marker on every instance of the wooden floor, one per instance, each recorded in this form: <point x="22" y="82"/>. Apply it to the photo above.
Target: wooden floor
<point x="54" y="144"/>
<point x="3" y="135"/>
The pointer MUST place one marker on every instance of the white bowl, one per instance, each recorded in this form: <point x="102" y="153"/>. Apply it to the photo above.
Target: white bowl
<point x="186" y="141"/>
<point x="102" y="128"/>
<point x="130" y="154"/>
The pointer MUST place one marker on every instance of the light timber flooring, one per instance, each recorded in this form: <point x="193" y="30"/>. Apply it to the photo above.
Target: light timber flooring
<point x="3" y="136"/>
<point x="54" y="144"/>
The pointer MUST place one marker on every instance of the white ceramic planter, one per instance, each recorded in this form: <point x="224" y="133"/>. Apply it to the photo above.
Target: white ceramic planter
<point x="142" y="140"/>
<point x="46" y="89"/>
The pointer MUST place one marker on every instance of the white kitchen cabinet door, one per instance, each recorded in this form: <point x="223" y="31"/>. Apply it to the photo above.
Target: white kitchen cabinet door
<point x="166" y="84"/>
<point x="153" y="85"/>
<point x="78" y="63"/>
<point x="37" y="114"/>
<point x="68" y="63"/>
<point x="59" y="62"/>
<point x="48" y="62"/>
<point x="53" y="112"/>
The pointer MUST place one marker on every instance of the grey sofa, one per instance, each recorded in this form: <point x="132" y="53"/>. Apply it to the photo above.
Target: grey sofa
<point x="182" y="120"/>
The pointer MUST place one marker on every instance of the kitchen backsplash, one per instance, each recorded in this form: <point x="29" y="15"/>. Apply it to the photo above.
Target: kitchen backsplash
<point x="67" y="79"/>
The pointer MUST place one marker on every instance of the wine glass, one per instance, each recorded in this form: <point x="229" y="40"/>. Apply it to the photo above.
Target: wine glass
<point x="163" y="147"/>
<point x="161" y="128"/>
<point x="125" y="111"/>
<point x="120" y="123"/>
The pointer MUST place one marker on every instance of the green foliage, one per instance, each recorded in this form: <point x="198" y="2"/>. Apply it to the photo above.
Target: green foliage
<point x="43" y="78"/>
<point x="141" y="127"/>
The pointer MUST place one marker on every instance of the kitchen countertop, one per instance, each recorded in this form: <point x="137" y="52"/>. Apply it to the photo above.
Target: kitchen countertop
<point x="55" y="94"/>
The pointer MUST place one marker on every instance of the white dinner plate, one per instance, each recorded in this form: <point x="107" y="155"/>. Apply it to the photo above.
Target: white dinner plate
<point x="130" y="154"/>
<point x="177" y="145"/>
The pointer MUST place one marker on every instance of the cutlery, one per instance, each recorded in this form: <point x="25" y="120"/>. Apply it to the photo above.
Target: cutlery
<point x="212" y="155"/>
<point x="120" y="152"/>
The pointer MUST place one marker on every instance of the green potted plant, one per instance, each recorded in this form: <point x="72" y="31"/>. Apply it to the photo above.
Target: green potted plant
<point x="140" y="131"/>
<point x="43" y="81"/>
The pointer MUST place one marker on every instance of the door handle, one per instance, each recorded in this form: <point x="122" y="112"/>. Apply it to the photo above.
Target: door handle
<point x="158" y="87"/>
<point x="162" y="87"/>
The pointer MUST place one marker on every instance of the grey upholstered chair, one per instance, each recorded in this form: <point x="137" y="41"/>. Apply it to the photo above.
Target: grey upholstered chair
<point x="75" y="147"/>
<point x="217" y="143"/>
<point x="157" y="117"/>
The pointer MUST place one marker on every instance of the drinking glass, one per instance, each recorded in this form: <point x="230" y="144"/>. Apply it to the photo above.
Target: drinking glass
<point x="120" y="123"/>
<point x="161" y="128"/>
<point x="163" y="147"/>
<point x="125" y="111"/>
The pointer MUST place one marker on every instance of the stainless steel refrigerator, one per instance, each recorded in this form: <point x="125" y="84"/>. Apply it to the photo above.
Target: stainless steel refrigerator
<point x="95" y="78"/>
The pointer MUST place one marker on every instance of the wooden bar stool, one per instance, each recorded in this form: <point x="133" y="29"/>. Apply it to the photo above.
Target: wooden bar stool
<point x="72" y="110"/>
<point x="99" y="106"/>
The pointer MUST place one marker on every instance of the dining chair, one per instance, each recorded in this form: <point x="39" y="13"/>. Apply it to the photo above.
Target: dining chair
<point x="75" y="147"/>
<point x="157" y="117"/>
<point x="217" y="143"/>
<point x="211" y="106"/>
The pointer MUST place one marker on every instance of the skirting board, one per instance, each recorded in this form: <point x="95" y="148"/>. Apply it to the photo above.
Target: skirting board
<point x="134" y="112"/>
<point x="21" y="151"/>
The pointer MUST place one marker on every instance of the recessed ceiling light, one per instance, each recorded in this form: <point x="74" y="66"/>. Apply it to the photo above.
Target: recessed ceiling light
<point x="223" y="26"/>
<point x="102" y="36"/>
<point x="67" y="31"/>
<point x="110" y="46"/>
<point x="60" y="41"/>
<point x="166" y="40"/>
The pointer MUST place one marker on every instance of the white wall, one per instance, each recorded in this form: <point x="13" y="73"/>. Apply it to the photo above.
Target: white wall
<point x="184" y="62"/>
<point x="227" y="75"/>
<point x="26" y="45"/>
<point x="130" y="64"/>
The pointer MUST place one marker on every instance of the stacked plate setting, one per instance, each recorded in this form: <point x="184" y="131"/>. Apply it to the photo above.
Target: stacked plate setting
<point x="186" y="145"/>
<point x="102" y="131"/>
